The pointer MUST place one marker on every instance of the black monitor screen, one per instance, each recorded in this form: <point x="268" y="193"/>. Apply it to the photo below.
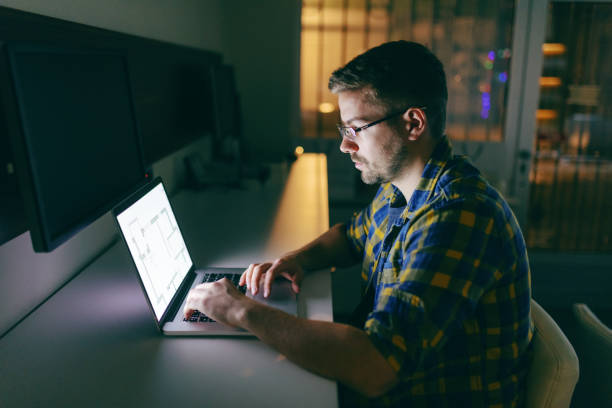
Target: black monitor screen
<point x="225" y="101"/>
<point x="78" y="138"/>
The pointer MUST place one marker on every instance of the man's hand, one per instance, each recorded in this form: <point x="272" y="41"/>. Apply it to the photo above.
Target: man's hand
<point x="219" y="300"/>
<point x="287" y="267"/>
<point x="332" y="350"/>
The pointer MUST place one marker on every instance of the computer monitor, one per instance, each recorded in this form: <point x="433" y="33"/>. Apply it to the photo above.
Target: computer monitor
<point x="77" y="149"/>
<point x="227" y="118"/>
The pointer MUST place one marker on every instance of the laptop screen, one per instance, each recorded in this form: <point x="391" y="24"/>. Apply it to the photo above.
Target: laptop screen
<point x="156" y="245"/>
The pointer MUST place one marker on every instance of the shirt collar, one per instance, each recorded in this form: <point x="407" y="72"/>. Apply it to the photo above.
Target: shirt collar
<point x="424" y="190"/>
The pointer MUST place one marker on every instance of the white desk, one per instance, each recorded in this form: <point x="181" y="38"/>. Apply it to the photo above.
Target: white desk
<point x="94" y="343"/>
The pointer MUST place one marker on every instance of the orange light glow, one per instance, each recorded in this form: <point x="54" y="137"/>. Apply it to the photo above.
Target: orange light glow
<point x="326" y="107"/>
<point x="553" y="48"/>
<point x="299" y="151"/>
<point x="305" y="193"/>
<point x="550" y="82"/>
<point x="546" y="114"/>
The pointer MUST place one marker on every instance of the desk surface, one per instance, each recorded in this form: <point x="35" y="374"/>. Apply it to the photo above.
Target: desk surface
<point x="94" y="343"/>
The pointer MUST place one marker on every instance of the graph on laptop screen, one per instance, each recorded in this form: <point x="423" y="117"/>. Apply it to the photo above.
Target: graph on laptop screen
<point x="157" y="246"/>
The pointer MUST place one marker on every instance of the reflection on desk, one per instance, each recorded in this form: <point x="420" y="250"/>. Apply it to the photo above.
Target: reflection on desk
<point x="94" y="343"/>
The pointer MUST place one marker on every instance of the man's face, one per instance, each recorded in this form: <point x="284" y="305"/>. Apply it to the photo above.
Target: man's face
<point x="378" y="151"/>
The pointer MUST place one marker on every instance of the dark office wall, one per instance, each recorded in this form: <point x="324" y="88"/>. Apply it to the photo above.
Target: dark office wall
<point x="261" y="41"/>
<point x="264" y="47"/>
<point x="171" y="85"/>
<point x="195" y="23"/>
<point x="27" y="278"/>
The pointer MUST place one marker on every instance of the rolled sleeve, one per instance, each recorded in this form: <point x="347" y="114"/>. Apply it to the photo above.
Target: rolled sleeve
<point x="448" y="263"/>
<point x="386" y="327"/>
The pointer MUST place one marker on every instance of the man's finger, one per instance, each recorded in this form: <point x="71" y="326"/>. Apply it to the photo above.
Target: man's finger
<point x="246" y="276"/>
<point x="255" y="276"/>
<point x="295" y="279"/>
<point x="188" y="310"/>
<point x="295" y="287"/>
<point x="269" y="278"/>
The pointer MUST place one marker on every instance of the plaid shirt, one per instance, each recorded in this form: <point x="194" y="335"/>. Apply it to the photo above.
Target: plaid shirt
<point x="451" y="288"/>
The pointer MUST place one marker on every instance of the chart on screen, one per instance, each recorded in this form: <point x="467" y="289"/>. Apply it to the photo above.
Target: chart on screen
<point x="157" y="246"/>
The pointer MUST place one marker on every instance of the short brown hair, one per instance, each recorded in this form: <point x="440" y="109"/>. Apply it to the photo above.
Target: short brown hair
<point x="390" y="70"/>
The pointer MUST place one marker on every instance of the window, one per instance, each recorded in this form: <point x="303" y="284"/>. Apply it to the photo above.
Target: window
<point x="472" y="38"/>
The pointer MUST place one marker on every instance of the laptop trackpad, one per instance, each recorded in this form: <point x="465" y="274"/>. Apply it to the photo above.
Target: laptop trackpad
<point x="281" y="296"/>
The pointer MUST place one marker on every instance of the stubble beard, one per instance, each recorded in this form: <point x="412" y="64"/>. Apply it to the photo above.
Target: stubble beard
<point x="394" y="155"/>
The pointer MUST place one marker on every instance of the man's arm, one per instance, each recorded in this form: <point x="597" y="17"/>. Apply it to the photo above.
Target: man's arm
<point x="332" y="350"/>
<point x="330" y="249"/>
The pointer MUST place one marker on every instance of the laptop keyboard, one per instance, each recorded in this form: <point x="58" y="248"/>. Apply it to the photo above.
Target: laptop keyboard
<point x="198" y="316"/>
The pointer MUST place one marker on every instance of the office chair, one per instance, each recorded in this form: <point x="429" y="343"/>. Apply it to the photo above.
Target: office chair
<point x="553" y="372"/>
<point x="594" y="346"/>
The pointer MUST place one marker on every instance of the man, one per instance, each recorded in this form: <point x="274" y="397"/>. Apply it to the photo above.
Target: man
<point x="445" y="317"/>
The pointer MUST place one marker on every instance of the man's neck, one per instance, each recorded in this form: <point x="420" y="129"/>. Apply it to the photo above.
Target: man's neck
<point x="411" y="173"/>
<point x="409" y="179"/>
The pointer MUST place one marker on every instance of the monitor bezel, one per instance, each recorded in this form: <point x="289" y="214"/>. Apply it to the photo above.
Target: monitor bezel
<point x="42" y="240"/>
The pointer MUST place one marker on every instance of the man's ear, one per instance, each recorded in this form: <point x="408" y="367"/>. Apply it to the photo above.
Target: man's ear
<point x="415" y="122"/>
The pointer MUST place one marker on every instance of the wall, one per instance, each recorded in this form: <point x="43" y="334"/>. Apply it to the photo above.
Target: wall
<point x="27" y="278"/>
<point x="261" y="41"/>
<point x="264" y="47"/>
<point x="195" y="23"/>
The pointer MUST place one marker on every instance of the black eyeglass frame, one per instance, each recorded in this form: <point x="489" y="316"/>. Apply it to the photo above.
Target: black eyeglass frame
<point x="350" y="132"/>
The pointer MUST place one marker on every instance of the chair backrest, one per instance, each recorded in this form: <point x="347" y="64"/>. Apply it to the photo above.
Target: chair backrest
<point x="594" y="346"/>
<point x="553" y="372"/>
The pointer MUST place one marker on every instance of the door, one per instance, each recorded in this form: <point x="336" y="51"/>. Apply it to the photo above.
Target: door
<point x="561" y="124"/>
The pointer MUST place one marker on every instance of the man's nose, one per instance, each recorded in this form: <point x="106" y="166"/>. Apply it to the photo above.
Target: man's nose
<point x="348" y="146"/>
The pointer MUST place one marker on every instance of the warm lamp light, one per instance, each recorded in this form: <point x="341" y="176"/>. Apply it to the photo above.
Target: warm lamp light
<point x="327" y="107"/>
<point x="550" y="82"/>
<point x="546" y="114"/>
<point x="553" y="48"/>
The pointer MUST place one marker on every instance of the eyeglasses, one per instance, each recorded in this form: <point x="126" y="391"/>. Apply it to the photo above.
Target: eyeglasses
<point x="351" y="132"/>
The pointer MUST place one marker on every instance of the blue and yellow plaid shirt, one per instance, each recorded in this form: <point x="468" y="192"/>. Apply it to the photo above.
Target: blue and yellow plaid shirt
<point x="451" y="288"/>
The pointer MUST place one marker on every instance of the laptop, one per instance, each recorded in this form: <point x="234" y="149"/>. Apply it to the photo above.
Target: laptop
<point x="167" y="273"/>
